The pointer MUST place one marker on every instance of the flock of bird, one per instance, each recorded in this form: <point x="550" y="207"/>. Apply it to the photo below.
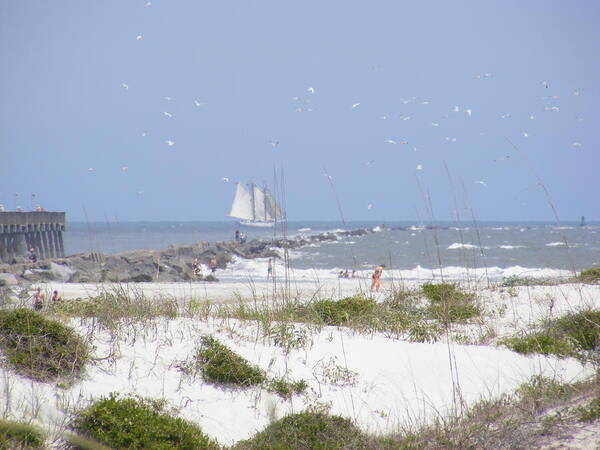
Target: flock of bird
<point x="304" y="104"/>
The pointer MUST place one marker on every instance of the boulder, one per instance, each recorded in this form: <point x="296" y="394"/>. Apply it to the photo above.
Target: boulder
<point x="8" y="279"/>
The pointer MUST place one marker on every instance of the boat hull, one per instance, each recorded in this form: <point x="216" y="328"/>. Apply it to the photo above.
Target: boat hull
<point x="256" y="223"/>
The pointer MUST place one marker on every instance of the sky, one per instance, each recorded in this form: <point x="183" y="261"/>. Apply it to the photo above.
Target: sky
<point x="393" y="110"/>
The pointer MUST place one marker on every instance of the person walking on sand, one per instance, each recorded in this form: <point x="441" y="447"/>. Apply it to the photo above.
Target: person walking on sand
<point x="270" y="269"/>
<point x="376" y="282"/>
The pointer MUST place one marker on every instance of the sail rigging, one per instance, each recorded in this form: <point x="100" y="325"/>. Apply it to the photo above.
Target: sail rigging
<point x="255" y="206"/>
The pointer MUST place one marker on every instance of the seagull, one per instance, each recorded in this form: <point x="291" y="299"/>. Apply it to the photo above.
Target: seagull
<point x="545" y="84"/>
<point x="469" y="112"/>
<point x="531" y="117"/>
<point x="125" y="86"/>
<point x="390" y="141"/>
<point x="419" y="167"/>
<point x="355" y="105"/>
<point x="140" y="192"/>
<point x="576" y="144"/>
<point x="274" y="143"/>
<point x="552" y="108"/>
<point x="576" y="92"/>
<point x="197" y="103"/>
<point x="91" y="169"/>
<point x="139" y="37"/>
<point x="414" y="149"/>
<point x="525" y="134"/>
<point x="328" y="176"/>
<point x="225" y="179"/>
<point x="368" y="163"/>
<point x="456" y="109"/>
<point x="370" y="205"/>
<point x="124" y="168"/>
<point x="148" y="4"/>
<point x="505" y="116"/>
<point x="311" y="90"/>
<point x="425" y="103"/>
<point x="167" y="98"/>
<point x="144" y="134"/>
<point x="170" y="143"/>
<point x="168" y="114"/>
<point x="449" y="139"/>
<point x="435" y="124"/>
<point x="481" y="182"/>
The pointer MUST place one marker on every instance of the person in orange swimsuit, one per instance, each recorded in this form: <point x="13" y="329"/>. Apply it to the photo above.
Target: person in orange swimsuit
<point x="376" y="283"/>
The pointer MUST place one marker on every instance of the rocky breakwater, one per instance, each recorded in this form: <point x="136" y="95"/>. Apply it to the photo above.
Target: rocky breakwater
<point x="170" y="265"/>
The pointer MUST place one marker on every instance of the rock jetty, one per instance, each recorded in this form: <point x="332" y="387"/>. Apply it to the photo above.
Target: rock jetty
<point x="169" y="265"/>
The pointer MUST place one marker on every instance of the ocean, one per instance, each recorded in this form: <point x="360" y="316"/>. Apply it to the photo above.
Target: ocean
<point x="492" y="250"/>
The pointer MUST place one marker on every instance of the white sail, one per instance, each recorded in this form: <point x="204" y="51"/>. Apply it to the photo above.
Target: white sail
<point x="260" y="212"/>
<point x="242" y="204"/>
<point x="273" y="211"/>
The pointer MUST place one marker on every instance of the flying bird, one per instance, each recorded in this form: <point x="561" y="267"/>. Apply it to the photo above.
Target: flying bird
<point x="531" y="117"/>
<point x="451" y="139"/>
<point x="481" y="182"/>
<point x="545" y="84"/>
<point x="311" y="90"/>
<point x="328" y="176"/>
<point x="139" y="37"/>
<point x="370" y="205"/>
<point x="91" y="169"/>
<point x="167" y="98"/>
<point x="274" y="143"/>
<point x="125" y="86"/>
<point x="469" y="112"/>
<point x="390" y="141"/>
<point x="505" y="116"/>
<point x="525" y="134"/>
<point x="124" y="168"/>
<point x="170" y="143"/>
<point x="144" y="134"/>
<point x="419" y="167"/>
<point x="168" y="114"/>
<point x="435" y="124"/>
<point x="576" y="144"/>
<point x="225" y="179"/>
<point x="197" y="103"/>
<point x="368" y="163"/>
<point x="355" y="105"/>
<point x="456" y="109"/>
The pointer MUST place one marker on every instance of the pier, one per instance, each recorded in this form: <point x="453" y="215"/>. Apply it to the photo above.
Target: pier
<point x="40" y="230"/>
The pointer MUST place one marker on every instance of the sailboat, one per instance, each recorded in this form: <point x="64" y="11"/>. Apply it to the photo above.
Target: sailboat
<point x="256" y="208"/>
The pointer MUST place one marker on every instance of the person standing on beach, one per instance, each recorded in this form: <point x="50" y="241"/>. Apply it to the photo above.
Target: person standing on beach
<point x="270" y="269"/>
<point x="38" y="299"/>
<point x="237" y="235"/>
<point x="55" y="297"/>
<point x="213" y="264"/>
<point x="376" y="282"/>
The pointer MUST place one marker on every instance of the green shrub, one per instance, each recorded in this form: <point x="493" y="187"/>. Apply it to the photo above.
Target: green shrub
<point x="582" y="327"/>
<point x="589" y="275"/>
<point x="130" y="423"/>
<point x="590" y="412"/>
<point x="449" y="304"/>
<point x="41" y="348"/>
<point x="345" y="310"/>
<point x="515" y="280"/>
<point x="17" y="435"/>
<point x="219" y="364"/>
<point x="539" y="343"/>
<point x="307" y="430"/>
<point x="286" y="388"/>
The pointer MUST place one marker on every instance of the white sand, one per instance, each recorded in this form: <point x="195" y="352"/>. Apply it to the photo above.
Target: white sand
<point x="379" y="382"/>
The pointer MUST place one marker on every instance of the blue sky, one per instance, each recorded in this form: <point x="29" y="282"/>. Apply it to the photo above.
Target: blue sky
<point x="64" y="109"/>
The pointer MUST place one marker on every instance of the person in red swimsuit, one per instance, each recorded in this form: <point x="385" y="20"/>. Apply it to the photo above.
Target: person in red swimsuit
<point x="376" y="282"/>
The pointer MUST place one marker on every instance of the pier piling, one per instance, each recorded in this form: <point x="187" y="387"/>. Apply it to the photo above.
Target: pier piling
<point x="40" y="230"/>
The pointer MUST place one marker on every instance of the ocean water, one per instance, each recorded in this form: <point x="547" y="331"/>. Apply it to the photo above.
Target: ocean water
<point x="490" y="250"/>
